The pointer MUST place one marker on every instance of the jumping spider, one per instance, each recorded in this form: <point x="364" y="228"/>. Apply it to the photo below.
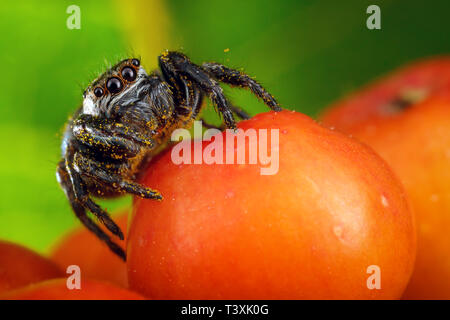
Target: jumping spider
<point x="126" y="115"/>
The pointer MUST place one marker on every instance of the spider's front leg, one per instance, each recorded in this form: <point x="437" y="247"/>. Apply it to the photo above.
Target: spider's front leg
<point x="240" y="113"/>
<point x="177" y="67"/>
<point x="237" y="111"/>
<point x="108" y="137"/>
<point x="111" y="177"/>
<point x="117" y="143"/>
<point x="242" y="80"/>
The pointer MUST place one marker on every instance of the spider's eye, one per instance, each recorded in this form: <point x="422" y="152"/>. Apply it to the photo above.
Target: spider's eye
<point x="114" y="85"/>
<point x="98" y="92"/>
<point x="135" y="62"/>
<point x="128" y="74"/>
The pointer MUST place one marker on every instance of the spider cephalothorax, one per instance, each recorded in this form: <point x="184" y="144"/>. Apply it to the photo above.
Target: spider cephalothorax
<point x="126" y="115"/>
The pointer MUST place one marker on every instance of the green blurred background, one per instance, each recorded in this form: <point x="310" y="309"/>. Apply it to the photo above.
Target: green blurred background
<point x="307" y="53"/>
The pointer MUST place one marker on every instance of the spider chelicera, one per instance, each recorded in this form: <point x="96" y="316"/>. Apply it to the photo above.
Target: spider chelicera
<point x="126" y="115"/>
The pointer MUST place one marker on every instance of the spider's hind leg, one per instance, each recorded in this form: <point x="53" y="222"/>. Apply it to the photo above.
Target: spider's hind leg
<point x="69" y="188"/>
